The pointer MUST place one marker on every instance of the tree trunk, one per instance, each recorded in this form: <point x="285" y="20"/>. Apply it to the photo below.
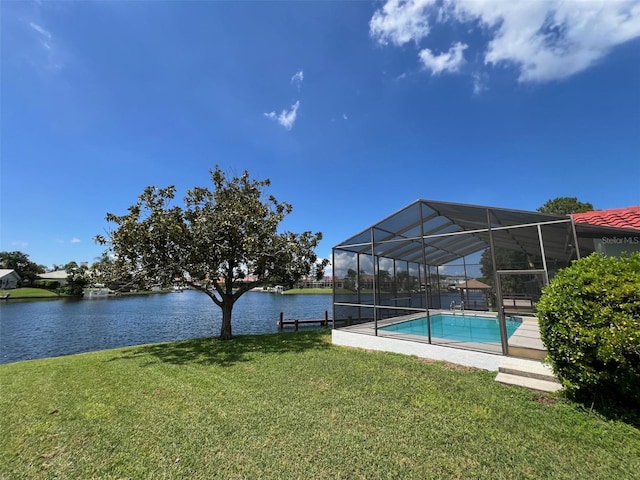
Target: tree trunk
<point x="225" y="329"/>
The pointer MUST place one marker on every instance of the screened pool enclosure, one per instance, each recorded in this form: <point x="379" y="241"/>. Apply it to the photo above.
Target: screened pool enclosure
<point x="463" y="263"/>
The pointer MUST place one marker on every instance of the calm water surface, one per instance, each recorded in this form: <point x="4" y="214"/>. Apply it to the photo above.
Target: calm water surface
<point x="38" y="329"/>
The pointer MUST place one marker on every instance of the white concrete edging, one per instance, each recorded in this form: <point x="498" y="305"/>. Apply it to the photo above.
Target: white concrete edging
<point x="469" y="358"/>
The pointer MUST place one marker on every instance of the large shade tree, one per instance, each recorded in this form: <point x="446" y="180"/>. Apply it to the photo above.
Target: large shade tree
<point x="223" y="242"/>
<point x="24" y="267"/>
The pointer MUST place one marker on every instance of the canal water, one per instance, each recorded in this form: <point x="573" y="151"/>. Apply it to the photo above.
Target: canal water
<point x="38" y="329"/>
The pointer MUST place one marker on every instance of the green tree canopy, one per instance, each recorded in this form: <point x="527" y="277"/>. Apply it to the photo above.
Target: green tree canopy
<point x="20" y="262"/>
<point x="222" y="242"/>
<point x="77" y="278"/>
<point x="101" y="272"/>
<point x="565" y="206"/>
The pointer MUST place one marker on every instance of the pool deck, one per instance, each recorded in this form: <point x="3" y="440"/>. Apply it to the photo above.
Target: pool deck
<point x="527" y="335"/>
<point x="486" y="356"/>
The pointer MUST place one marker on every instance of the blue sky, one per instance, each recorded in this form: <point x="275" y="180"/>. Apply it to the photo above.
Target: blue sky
<point x="351" y="109"/>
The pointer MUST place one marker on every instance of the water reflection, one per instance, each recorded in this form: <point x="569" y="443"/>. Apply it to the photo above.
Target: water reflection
<point x="51" y="328"/>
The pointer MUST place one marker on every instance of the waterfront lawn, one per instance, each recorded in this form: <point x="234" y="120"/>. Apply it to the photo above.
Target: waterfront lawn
<point x="28" y="292"/>
<point x="308" y="291"/>
<point x="291" y="405"/>
<point x="316" y="291"/>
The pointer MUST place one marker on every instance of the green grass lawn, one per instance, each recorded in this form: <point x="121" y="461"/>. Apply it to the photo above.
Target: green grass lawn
<point x="318" y="291"/>
<point x="309" y="291"/>
<point x="28" y="292"/>
<point x="291" y="405"/>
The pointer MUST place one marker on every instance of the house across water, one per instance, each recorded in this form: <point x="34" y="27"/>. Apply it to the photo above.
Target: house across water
<point x="9" y="279"/>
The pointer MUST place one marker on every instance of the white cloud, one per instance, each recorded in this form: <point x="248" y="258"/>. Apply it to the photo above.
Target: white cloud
<point x="445" y="62"/>
<point x="553" y="40"/>
<point x="479" y="83"/>
<point x="285" y="118"/>
<point x="40" y="30"/>
<point x="344" y="116"/>
<point x="544" y="40"/>
<point x="328" y="270"/>
<point x="49" y="56"/>
<point x="297" y="78"/>
<point x="401" y="21"/>
<point x="20" y="244"/>
<point x="75" y="240"/>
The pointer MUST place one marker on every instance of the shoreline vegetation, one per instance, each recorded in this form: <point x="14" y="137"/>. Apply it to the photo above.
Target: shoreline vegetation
<point x="292" y="405"/>
<point x="30" y="293"/>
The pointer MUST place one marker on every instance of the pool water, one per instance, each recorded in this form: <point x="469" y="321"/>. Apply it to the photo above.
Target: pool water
<point x="460" y="328"/>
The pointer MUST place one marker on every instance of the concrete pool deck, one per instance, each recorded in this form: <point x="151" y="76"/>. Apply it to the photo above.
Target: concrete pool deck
<point x="469" y="358"/>
<point x="486" y="356"/>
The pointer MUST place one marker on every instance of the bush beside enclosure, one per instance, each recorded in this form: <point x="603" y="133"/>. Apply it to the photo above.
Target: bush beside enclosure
<point x="589" y="319"/>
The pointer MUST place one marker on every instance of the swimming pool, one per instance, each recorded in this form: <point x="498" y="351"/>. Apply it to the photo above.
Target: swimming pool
<point x="460" y="328"/>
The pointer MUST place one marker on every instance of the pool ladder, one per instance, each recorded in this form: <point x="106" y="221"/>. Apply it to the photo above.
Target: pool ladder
<point x="453" y="307"/>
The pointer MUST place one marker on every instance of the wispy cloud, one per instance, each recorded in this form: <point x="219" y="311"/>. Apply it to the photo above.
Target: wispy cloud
<point x="297" y="79"/>
<point x="286" y="118"/>
<point x="344" y="117"/>
<point x="62" y="241"/>
<point x="445" y="62"/>
<point x="43" y="51"/>
<point x="544" y="40"/>
<point x="19" y="244"/>
<point x="479" y="83"/>
<point x="40" y="30"/>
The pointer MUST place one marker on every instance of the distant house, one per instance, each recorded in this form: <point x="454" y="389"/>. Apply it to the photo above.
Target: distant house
<point x="9" y="278"/>
<point x="58" y="275"/>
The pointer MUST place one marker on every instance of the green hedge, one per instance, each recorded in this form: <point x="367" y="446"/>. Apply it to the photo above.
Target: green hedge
<point x="589" y="319"/>
<point x="47" y="284"/>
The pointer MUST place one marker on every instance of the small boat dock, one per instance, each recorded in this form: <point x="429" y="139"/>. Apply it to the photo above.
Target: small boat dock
<point x="295" y="323"/>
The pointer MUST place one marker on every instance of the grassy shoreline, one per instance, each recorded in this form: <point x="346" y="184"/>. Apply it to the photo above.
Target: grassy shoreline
<point x="291" y="405"/>
<point x="30" y="293"/>
<point x="308" y="291"/>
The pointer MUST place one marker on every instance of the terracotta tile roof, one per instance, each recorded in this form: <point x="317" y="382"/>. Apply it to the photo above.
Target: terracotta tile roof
<point x="474" y="284"/>
<point x="628" y="218"/>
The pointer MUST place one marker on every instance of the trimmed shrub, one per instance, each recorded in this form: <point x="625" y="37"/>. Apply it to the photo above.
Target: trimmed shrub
<point x="589" y="319"/>
<point x="47" y="284"/>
